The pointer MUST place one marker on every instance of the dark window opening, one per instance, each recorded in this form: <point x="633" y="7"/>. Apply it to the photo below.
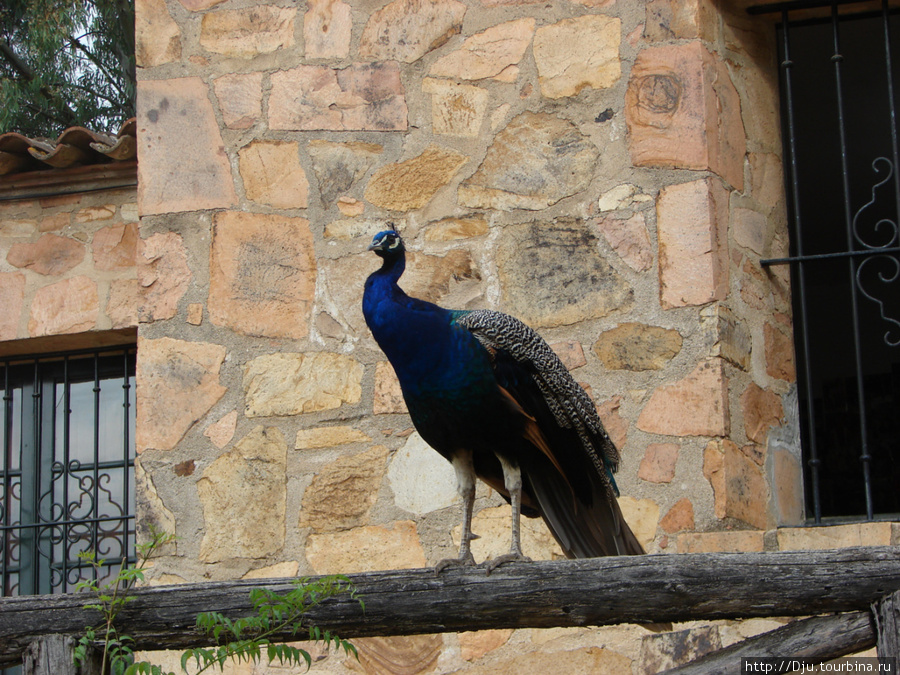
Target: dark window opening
<point x="66" y="470"/>
<point x="839" y="78"/>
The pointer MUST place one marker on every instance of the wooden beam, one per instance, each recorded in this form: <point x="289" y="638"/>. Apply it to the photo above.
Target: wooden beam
<point x="599" y="591"/>
<point x="818" y="638"/>
<point x="887" y="615"/>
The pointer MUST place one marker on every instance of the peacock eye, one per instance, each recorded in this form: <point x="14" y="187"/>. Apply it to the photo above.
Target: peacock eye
<point x="394" y="241"/>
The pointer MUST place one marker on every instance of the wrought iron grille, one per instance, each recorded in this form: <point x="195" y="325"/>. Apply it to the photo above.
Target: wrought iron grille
<point x="839" y="105"/>
<point x="66" y="471"/>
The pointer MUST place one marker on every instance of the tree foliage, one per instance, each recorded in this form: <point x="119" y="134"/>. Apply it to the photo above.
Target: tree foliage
<point x="65" y="63"/>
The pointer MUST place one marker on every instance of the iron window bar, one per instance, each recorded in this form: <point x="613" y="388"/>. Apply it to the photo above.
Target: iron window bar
<point x="858" y="258"/>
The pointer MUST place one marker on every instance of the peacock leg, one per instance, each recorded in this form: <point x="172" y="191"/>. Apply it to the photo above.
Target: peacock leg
<point x="512" y="478"/>
<point x="465" y="477"/>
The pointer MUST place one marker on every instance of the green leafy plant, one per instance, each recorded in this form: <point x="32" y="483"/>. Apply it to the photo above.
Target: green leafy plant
<point x="244" y="639"/>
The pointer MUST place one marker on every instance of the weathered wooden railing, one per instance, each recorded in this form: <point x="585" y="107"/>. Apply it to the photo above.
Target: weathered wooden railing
<point x="601" y="591"/>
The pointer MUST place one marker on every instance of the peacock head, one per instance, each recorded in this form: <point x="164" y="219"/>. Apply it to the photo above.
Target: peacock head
<point x="387" y="244"/>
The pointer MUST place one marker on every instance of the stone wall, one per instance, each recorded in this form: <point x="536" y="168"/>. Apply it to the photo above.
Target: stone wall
<point x="68" y="266"/>
<point x="608" y="171"/>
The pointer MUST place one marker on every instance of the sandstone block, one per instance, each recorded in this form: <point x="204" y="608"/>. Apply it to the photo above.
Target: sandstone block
<point x="536" y="161"/>
<point x="327" y="26"/>
<point x="388" y="397"/>
<point x="456" y="109"/>
<point x="668" y="650"/>
<point x="570" y="352"/>
<point x="411" y="184"/>
<point x="243" y="494"/>
<point x="594" y="660"/>
<point x="681" y="19"/>
<point x="629" y="238"/>
<point x="488" y="53"/>
<point x="157" y="36"/>
<point x="291" y="384"/>
<point x="91" y="214"/>
<point x="762" y="410"/>
<point x="272" y="174"/>
<point x="194" y="313"/>
<point x="406" y="30"/>
<point x="492" y="525"/>
<point x="451" y="228"/>
<point x="680" y="517"/>
<point x="240" y="99"/>
<point x="249" y="32"/>
<point x="750" y="229"/>
<point x="422" y="481"/>
<point x="51" y="255"/>
<point x="779" y="354"/>
<point x="177" y="384"/>
<point x="328" y="437"/>
<point x="739" y="484"/>
<point x="115" y="247"/>
<point x="658" y="465"/>
<point x="739" y="541"/>
<point x="787" y="477"/>
<point x="366" y="549"/>
<point x="683" y="111"/>
<point x="52" y="223"/>
<point x="613" y="421"/>
<point x="339" y="166"/>
<point x="176" y="119"/>
<point x="636" y="347"/>
<point x="163" y="276"/>
<point x="564" y="71"/>
<point x="122" y="304"/>
<point x="12" y="297"/>
<point x="150" y="510"/>
<point x="642" y="515"/>
<point x="68" y="306"/>
<point x="343" y="492"/>
<point x="835" y="536"/>
<point x="276" y="571"/>
<point x="693" y="253"/>
<point x="222" y="431"/>
<point x="398" y="654"/>
<point x="362" y="97"/>
<point x="694" y="406"/>
<point x="551" y="274"/>
<point x="262" y="274"/>
<point x="726" y="335"/>
<point x="714" y="472"/>
<point x="475" y="644"/>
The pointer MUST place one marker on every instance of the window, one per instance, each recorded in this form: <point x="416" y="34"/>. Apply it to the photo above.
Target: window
<point x="839" y="77"/>
<point x="66" y="471"/>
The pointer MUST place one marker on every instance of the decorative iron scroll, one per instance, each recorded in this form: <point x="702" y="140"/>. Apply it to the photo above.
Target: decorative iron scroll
<point x="890" y="266"/>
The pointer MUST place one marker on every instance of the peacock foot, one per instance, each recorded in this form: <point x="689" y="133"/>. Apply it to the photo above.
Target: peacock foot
<point x="491" y="565"/>
<point x="465" y="560"/>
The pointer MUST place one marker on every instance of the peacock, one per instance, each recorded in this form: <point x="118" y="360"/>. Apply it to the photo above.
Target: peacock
<point x="490" y="395"/>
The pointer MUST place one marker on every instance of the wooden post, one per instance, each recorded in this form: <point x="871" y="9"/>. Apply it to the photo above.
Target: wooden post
<point x="55" y="655"/>
<point x="887" y="616"/>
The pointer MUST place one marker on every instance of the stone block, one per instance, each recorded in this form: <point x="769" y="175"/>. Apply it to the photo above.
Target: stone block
<point x="594" y="660"/>
<point x="272" y="174"/>
<point x="456" y="109"/>
<point x="642" y="515"/>
<point x="488" y="53"/>
<point x="163" y="276"/>
<point x="693" y="249"/>
<point x="411" y="184"/>
<point x="779" y="354"/>
<point x="122" y="303"/>
<point x="291" y="383"/>
<point x="328" y="437"/>
<point x="115" y="247"/>
<point x="262" y="274"/>
<point x="475" y="644"/>
<point x="564" y="71"/>
<point x="92" y="214"/>
<point x="243" y="494"/>
<point x="683" y="111"/>
<point x="361" y="97"/>
<point x="68" y="306"/>
<point x="194" y="314"/>
<point x="835" y="536"/>
<point x="570" y="352"/>
<point x="176" y="119"/>
<point x="343" y="492"/>
<point x="681" y="20"/>
<point x="397" y="654"/>
<point x="762" y="410"/>
<point x="327" y="26"/>
<point x="637" y="347"/>
<point x="240" y="99"/>
<point x="525" y="167"/>
<point x="552" y="274"/>
<point x="669" y="650"/>
<point x="406" y="30"/>
<point x="453" y="228"/>
<point x="366" y="549"/>
<point x="696" y="405"/>
<point x="714" y="472"/>
<point x="787" y="487"/>
<point x="658" y="464"/>
<point x="222" y="431"/>
<point x="736" y="541"/>
<point x="680" y="517"/>
<point x="51" y="255"/>
<point x="157" y="36"/>
<point x="746" y="488"/>
<point x="340" y="166"/>
<point x="177" y="384"/>
<point x="422" y="481"/>
<point x="628" y="237"/>
<point x="12" y="297"/>
<point x="388" y="398"/>
<point x="611" y="415"/>
<point x="248" y="32"/>
<point x="280" y="570"/>
<point x="727" y="337"/>
<point x="750" y="229"/>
